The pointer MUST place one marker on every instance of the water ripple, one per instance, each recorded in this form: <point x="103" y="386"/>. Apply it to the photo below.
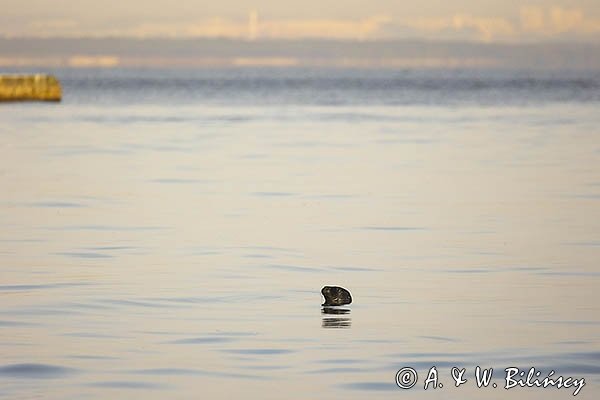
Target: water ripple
<point x="105" y="228"/>
<point x="83" y="254"/>
<point x="370" y="386"/>
<point x="273" y="194"/>
<point x="393" y="228"/>
<point x="128" y="385"/>
<point x="55" y="204"/>
<point x="340" y="370"/>
<point x="294" y="268"/>
<point x="259" y="351"/>
<point x="37" y="287"/>
<point x="167" y="371"/>
<point x="37" y="371"/>
<point x="203" y="340"/>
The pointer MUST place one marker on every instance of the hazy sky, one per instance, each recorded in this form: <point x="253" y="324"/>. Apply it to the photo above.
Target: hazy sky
<point x="483" y="20"/>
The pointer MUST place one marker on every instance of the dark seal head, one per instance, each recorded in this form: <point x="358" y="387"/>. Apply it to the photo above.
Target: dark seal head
<point x="336" y="296"/>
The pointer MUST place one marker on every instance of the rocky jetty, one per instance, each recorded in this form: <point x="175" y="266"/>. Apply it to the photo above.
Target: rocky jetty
<point x="29" y="88"/>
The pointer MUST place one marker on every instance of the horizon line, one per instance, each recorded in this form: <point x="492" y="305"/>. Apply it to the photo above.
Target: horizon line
<point x="307" y="39"/>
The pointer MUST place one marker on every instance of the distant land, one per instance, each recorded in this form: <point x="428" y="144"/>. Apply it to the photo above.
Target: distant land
<point x="162" y="52"/>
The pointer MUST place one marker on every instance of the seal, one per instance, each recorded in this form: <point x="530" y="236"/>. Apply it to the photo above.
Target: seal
<point x="336" y="296"/>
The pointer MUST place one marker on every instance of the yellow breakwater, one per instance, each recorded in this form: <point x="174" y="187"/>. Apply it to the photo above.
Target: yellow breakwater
<point x="29" y="88"/>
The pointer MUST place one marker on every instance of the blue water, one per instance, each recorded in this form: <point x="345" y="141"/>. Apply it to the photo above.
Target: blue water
<point x="166" y="233"/>
<point x="328" y="86"/>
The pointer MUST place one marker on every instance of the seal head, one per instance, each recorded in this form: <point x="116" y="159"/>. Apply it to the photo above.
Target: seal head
<point x="336" y="296"/>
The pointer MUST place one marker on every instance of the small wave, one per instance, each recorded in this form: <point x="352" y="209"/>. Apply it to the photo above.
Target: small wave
<point x="32" y="370"/>
<point x="370" y="386"/>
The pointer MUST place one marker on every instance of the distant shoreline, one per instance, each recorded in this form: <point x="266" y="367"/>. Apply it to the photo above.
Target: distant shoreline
<point x="197" y="53"/>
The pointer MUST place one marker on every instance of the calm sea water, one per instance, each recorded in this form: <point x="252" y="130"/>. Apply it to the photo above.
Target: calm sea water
<point x="166" y="234"/>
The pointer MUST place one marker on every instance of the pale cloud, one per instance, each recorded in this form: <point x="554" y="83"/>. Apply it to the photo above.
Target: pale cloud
<point x="556" y="21"/>
<point x="53" y="24"/>
<point x="42" y="28"/>
<point x="212" y="27"/>
<point x="256" y="28"/>
<point x="534" y="21"/>
<point x="367" y="28"/>
<point x="564" y="20"/>
<point x="529" y="23"/>
<point x="482" y="28"/>
<point x="217" y="27"/>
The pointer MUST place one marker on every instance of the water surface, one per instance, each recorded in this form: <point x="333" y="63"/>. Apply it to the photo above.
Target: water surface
<point x="166" y="234"/>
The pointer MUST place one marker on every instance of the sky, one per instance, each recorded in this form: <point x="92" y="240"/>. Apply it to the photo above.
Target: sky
<point x="476" y="20"/>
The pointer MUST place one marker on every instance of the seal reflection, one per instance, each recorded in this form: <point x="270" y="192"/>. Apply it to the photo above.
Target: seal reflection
<point x="335" y="322"/>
